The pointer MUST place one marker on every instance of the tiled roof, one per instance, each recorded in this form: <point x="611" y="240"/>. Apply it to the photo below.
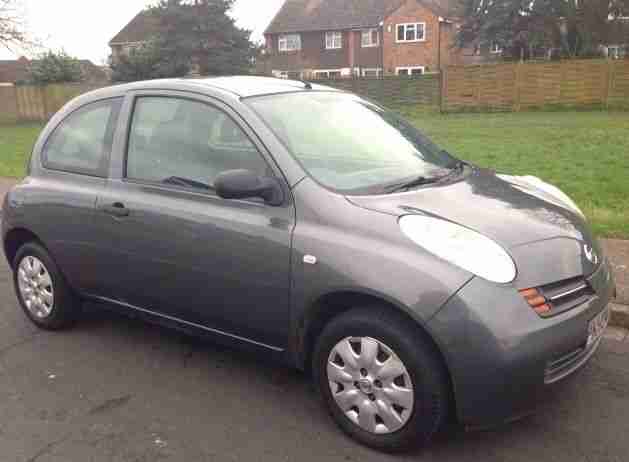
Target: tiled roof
<point x="312" y="15"/>
<point x="139" y="29"/>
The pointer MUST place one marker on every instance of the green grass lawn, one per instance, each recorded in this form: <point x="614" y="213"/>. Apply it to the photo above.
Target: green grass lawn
<point x="584" y="153"/>
<point x="16" y="143"/>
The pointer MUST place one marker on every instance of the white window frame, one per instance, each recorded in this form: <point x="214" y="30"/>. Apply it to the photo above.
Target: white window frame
<point x="410" y="70"/>
<point x="334" y="40"/>
<point x="611" y="17"/>
<point x="284" y="40"/>
<point x="369" y="33"/>
<point x="495" y="48"/>
<point x="286" y="74"/>
<point x="377" y="70"/>
<point x="325" y="73"/>
<point x="619" y="51"/>
<point x="406" y="26"/>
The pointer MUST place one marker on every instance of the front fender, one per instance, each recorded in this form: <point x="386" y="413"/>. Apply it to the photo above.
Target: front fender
<point x="363" y="252"/>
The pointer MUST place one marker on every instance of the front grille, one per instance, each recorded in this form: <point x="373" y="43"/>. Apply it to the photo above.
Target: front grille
<point x="564" y="295"/>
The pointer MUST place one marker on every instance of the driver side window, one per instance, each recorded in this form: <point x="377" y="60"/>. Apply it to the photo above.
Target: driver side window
<point x="186" y="143"/>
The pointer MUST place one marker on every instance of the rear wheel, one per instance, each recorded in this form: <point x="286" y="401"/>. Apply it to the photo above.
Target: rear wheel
<point x="381" y="380"/>
<point x="41" y="289"/>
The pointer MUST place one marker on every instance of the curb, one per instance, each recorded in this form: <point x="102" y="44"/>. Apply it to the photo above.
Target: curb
<point x="620" y="316"/>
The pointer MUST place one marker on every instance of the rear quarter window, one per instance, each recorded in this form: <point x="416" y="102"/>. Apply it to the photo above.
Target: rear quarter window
<point x="82" y="142"/>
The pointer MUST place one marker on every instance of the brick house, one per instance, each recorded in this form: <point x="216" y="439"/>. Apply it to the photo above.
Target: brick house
<point x="142" y="28"/>
<point x="343" y="38"/>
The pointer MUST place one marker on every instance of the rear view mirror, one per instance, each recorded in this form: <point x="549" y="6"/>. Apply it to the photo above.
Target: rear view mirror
<point x="245" y="184"/>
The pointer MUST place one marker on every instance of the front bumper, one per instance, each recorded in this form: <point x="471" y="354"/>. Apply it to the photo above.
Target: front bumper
<point x="502" y="356"/>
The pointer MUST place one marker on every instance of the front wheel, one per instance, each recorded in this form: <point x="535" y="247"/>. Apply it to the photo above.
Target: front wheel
<point x="381" y="380"/>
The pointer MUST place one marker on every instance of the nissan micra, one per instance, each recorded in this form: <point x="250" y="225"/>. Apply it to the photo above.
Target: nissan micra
<point x="319" y="229"/>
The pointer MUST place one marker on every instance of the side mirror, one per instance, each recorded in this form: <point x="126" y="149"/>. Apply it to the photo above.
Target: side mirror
<point x="245" y="184"/>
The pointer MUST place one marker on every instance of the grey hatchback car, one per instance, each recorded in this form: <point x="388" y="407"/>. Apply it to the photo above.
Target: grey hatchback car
<point x="319" y="229"/>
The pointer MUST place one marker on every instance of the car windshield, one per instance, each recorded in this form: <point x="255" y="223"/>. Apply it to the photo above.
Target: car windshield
<point x="351" y="145"/>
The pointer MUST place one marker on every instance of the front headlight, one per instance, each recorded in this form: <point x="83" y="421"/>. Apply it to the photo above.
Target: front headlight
<point x="533" y="185"/>
<point x="460" y="246"/>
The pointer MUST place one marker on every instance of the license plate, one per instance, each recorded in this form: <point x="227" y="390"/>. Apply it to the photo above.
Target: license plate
<point x="597" y="326"/>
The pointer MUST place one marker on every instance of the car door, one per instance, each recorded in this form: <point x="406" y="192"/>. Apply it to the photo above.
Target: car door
<point x="172" y="246"/>
<point x="72" y="163"/>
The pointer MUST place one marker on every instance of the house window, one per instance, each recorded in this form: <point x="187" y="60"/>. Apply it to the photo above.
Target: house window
<point x="370" y="38"/>
<point x="333" y="40"/>
<point x="615" y="52"/>
<point x="327" y="74"/>
<point x="294" y="75"/>
<point x="413" y="32"/>
<point x="495" y="48"/>
<point x="410" y="70"/>
<point x="291" y="42"/>
<point x="374" y="72"/>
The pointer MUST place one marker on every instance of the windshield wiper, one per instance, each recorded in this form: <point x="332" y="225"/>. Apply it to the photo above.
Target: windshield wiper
<point x="418" y="181"/>
<point x="457" y="165"/>
<point x="180" y="181"/>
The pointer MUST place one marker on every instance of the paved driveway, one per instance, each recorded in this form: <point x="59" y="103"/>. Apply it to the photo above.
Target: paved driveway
<point x="113" y="389"/>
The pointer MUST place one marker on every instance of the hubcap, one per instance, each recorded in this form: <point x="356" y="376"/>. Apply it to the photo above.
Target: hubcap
<point x="35" y="286"/>
<point x="370" y="384"/>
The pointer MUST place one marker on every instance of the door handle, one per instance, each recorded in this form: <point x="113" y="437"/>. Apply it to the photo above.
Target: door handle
<point x="117" y="209"/>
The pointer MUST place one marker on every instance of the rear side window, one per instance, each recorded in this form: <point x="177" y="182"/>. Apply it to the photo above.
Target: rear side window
<point x="186" y="143"/>
<point x="82" y="142"/>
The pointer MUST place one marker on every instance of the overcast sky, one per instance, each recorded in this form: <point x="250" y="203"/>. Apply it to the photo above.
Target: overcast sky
<point x="84" y="27"/>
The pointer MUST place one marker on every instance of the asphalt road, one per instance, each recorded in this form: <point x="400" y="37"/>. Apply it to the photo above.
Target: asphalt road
<point x="113" y="389"/>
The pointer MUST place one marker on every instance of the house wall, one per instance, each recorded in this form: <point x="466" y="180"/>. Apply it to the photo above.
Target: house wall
<point x="116" y="52"/>
<point x="368" y="57"/>
<point x="313" y="54"/>
<point x="125" y="49"/>
<point x="424" y="53"/>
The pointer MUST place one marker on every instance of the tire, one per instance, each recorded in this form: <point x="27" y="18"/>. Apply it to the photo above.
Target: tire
<point x="55" y="307"/>
<point x="410" y="421"/>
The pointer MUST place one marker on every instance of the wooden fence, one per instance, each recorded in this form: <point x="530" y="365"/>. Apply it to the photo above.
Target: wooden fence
<point x="423" y="91"/>
<point x="536" y="85"/>
<point x="600" y="84"/>
<point x="26" y="103"/>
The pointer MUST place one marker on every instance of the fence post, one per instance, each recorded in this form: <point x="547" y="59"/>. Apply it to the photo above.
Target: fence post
<point x="563" y="73"/>
<point x="518" y="87"/>
<point x="17" y="104"/>
<point x="609" y="84"/>
<point x="44" y="99"/>
<point x="443" y="76"/>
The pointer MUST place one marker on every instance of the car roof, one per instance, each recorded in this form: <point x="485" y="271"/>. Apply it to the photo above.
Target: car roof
<point x="237" y="86"/>
<point x="246" y="86"/>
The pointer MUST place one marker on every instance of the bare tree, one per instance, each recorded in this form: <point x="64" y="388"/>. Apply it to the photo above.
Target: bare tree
<point x="12" y="28"/>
